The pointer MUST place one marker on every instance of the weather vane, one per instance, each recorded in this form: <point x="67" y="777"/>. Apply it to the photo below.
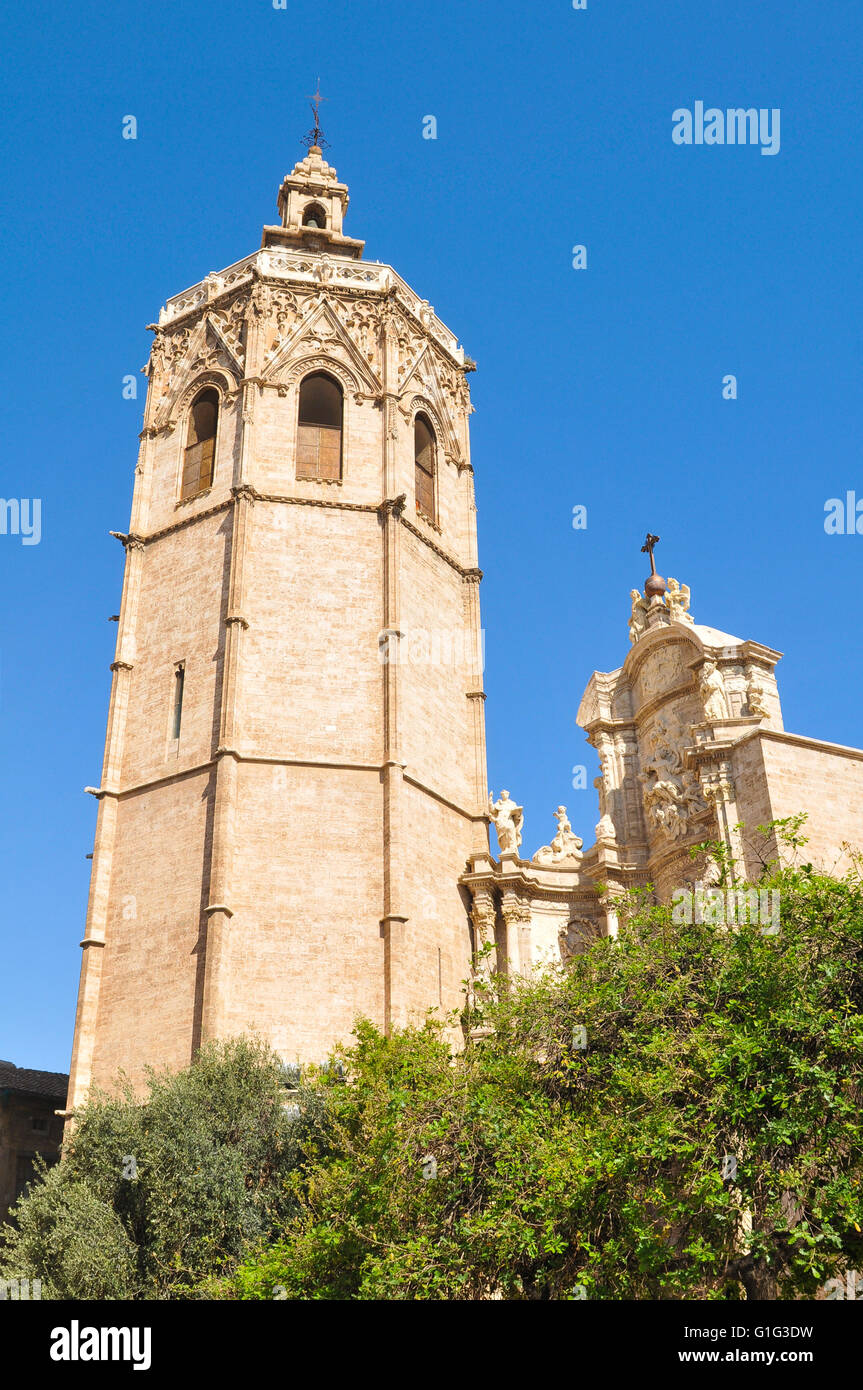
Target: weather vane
<point x="316" y="136"/>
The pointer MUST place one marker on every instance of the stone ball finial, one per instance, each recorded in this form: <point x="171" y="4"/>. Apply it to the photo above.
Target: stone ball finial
<point x="654" y="586"/>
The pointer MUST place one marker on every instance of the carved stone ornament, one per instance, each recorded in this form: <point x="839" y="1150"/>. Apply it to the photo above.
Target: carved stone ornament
<point x="516" y="912"/>
<point x="672" y="794"/>
<point x="660" y="672"/>
<point x="677" y="602"/>
<point x="712" y="691"/>
<point x="483" y="918"/>
<point x="508" y="820"/>
<point x="576" y="937"/>
<point x="565" y="848"/>
<point x="755" y="697"/>
<point x="638" y="617"/>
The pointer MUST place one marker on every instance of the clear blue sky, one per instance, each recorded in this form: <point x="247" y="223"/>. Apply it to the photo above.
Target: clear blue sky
<point x="600" y="387"/>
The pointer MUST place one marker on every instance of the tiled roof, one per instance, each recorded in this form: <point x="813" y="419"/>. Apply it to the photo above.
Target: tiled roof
<point x="23" y="1081"/>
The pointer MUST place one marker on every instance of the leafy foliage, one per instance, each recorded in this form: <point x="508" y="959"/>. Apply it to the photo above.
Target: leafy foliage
<point x="527" y="1166"/>
<point x="564" y="1172"/>
<point x="156" y="1199"/>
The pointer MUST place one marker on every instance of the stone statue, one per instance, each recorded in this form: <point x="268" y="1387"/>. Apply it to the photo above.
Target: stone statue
<point x="755" y="697"/>
<point x="565" y="848"/>
<point x="677" y="602"/>
<point x="508" y="820"/>
<point x="712" y="692"/>
<point x="638" y="619"/>
<point x="605" y="825"/>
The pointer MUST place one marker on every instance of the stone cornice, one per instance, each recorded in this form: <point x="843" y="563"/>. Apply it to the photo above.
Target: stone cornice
<point x="840" y="750"/>
<point x="315" y="271"/>
<point x="275" y="760"/>
<point x="444" y="801"/>
<point x="471" y="573"/>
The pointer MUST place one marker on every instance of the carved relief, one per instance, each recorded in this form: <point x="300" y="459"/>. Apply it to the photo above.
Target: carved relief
<point x="231" y="323"/>
<point x="660" y="672"/>
<point x="672" y="794"/>
<point x="576" y="937"/>
<point x="483" y="918"/>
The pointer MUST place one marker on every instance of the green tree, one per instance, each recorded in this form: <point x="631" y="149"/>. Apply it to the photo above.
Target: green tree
<point x="157" y="1198"/>
<point x="704" y="1144"/>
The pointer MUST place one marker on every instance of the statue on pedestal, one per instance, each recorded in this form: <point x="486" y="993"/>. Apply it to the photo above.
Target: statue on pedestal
<point x="712" y="692"/>
<point x="565" y="848"/>
<point x="677" y="602"/>
<point x="755" y="697"/>
<point x="508" y="819"/>
<point x="638" y="618"/>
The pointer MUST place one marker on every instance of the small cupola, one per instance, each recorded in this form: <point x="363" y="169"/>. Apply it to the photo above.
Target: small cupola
<point x="312" y="205"/>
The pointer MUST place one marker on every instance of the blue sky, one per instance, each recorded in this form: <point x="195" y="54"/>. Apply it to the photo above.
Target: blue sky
<point x="600" y="387"/>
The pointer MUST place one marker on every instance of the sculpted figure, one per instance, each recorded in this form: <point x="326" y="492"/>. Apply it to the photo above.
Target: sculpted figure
<point x="755" y="696"/>
<point x="508" y="820"/>
<point x="712" y="692"/>
<point x="566" y="845"/>
<point x="665" y="757"/>
<point x="677" y="602"/>
<point x="638" y="619"/>
<point x="666" y="808"/>
<point x="605" y="826"/>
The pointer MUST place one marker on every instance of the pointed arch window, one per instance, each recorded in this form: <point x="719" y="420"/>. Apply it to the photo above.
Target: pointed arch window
<point x="200" y="448"/>
<point x="424" y="467"/>
<point x="319" y="428"/>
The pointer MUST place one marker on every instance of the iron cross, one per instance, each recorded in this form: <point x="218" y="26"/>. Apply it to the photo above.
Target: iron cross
<point x="647" y="548"/>
<point x="316" y="104"/>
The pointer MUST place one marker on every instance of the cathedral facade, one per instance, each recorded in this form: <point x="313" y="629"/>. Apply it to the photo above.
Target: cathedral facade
<point x="692" y="749"/>
<point x="293" y="814"/>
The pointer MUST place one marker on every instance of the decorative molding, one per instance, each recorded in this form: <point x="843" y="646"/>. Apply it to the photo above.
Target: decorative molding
<point x="392" y="506"/>
<point x="138" y="542"/>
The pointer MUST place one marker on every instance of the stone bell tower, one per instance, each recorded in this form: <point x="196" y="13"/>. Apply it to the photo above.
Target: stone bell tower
<point x="294" y="774"/>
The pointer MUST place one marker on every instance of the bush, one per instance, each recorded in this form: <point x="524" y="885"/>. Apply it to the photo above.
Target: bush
<point x="560" y="1172"/>
<point x="171" y="1190"/>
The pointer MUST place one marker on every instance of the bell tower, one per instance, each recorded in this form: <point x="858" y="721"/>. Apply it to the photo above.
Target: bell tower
<point x="294" y="776"/>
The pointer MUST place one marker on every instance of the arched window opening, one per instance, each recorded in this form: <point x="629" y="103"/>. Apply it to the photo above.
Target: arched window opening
<point x="314" y="216"/>
<point x="200" y="444"/>
<point x="319" y="432"/>
<point x="424" y="462"/>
